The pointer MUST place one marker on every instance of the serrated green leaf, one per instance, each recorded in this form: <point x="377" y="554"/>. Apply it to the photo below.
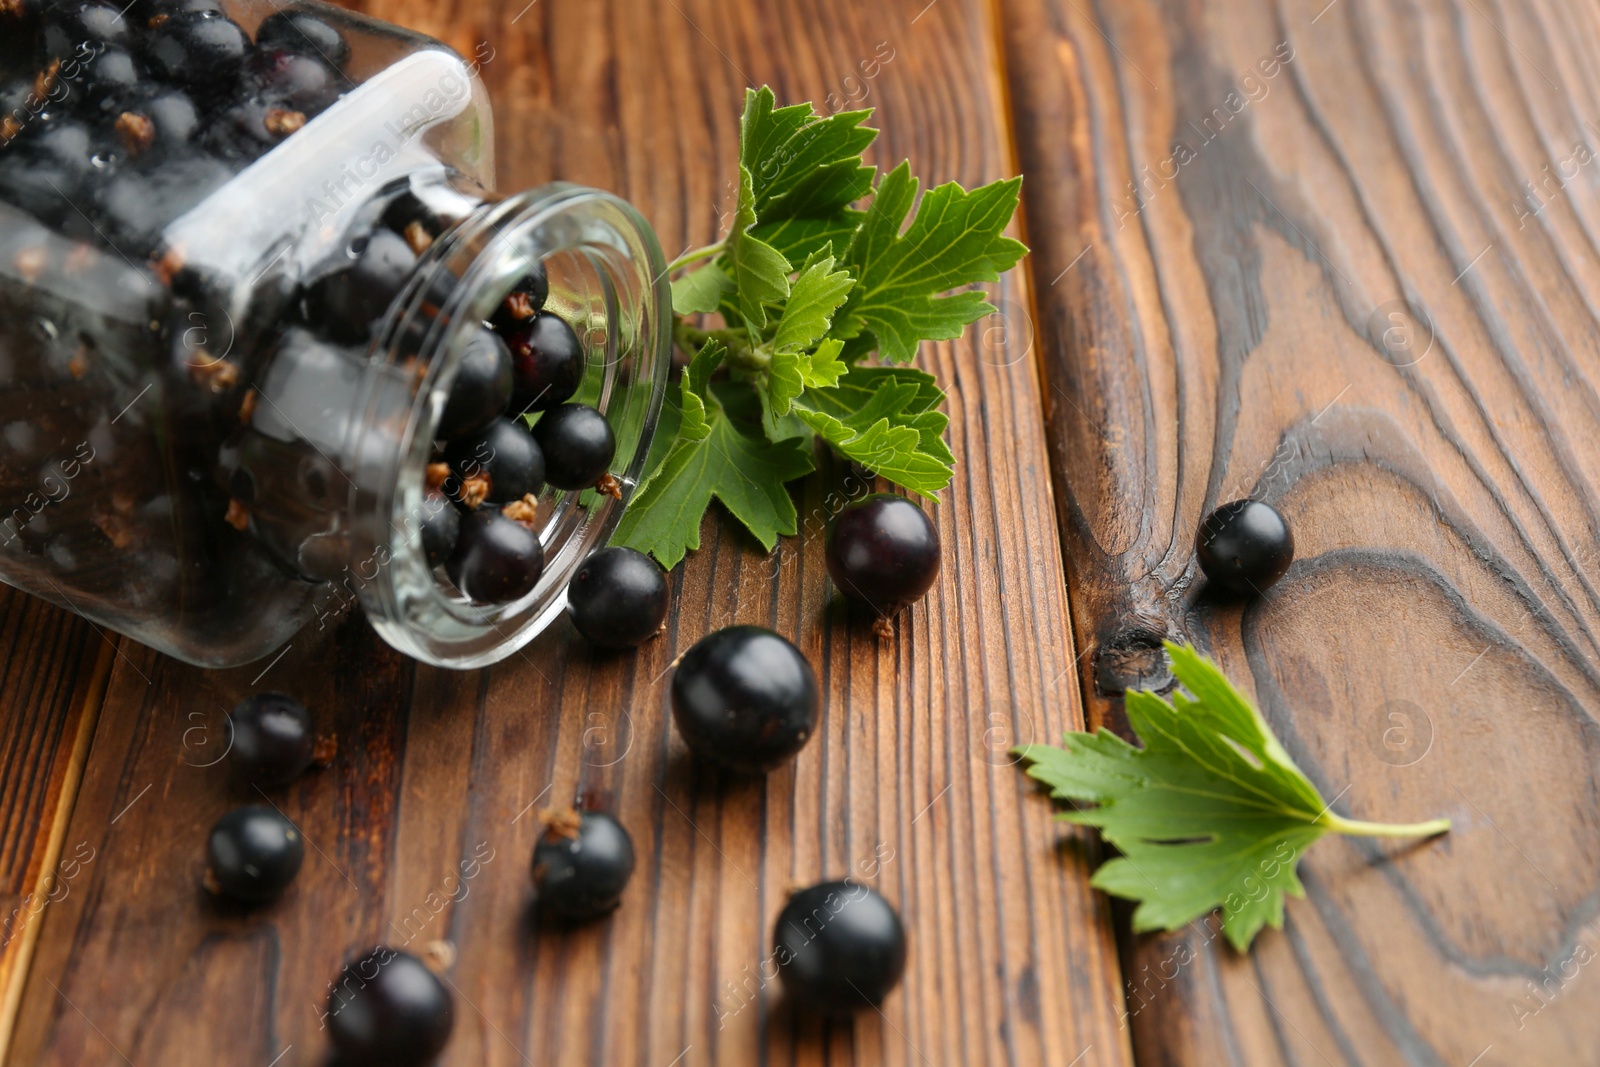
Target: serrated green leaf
<point x="712" y="458"/>
<point x="816" y="294"/>
<point x="701" y="290"/>
<point x="760" y="273"/>
<point x="1210" y="813"/>
<point x="881" y="436"/>
<point x="804" y="165"/>
<point x="792" y="372"/>
<point x="955" y="239"/>
<point x="904" y="396"/>
<point x="799" y="239"/>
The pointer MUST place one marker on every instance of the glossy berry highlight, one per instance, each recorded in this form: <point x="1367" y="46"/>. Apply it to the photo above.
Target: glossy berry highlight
<point x="496" y="559"/>
<point x="618" y="598"/>
<point x="581" y="865"/>
<point x="1244" y="546"/>
<point x="578" y="445"/>
<point x="271" y="742"/>
<point x="745" y="699"/>
<point x="840" y="947"/>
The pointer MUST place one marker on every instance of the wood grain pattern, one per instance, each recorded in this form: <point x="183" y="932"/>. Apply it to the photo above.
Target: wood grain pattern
<point x="423" y="827"/>
<point x="1361" y="286"/>
<point x="53" y="673"/>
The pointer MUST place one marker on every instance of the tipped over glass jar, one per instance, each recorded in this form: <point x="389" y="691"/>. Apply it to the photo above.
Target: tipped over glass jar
<point x="270" y="345"/>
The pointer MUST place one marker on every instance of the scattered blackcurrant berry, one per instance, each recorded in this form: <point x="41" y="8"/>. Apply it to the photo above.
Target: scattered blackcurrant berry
<point x="300" y="31"/>
<point x="840" y="948"/>
<point x="202" y="51"/>
<point x="1244" y="546"/>
<point x="440" y="526"/>
<point x="349" y="303"/>
<point x="482" y="387"/>
<point x="618" y="598"/>
<point x="389" y="1010"/>
<point x="547" y="360"/>
<point x="578" y="445"/>
<point x="744" y="698"/>
<point x="272" y="742"/>
<point x="253" y="854"/>
<point x="581" y="865"/>
<point x="497" y="559"/>
<point x="506" y="454"/>
<point x="883" y="551"/>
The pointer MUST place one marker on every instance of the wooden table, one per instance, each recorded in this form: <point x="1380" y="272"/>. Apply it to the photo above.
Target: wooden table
<point x="1340" y="255"/>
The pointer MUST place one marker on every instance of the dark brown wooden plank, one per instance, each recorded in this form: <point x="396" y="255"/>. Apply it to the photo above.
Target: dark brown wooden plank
<point x="53" y="673"/>
<point x="1217" y="330"/>
<point x="908" y="784"/>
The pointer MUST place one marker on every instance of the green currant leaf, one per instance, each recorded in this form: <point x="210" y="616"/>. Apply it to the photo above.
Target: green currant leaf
<point x="882" y="437"/>
<point x="1210" y="813"/>
<point x="701" y="290"/>
<point x="816" y="294"/>
<point x="759" y="271"/>
<point x="955" y="239"/>
<point x="803" y="165"/>
<point x="799" y="239"/>
<point x="712" y="457"/>
<point x="904" y="396"/>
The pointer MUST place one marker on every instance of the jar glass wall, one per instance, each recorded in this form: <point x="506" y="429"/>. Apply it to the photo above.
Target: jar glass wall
<point x="217" y="419"/>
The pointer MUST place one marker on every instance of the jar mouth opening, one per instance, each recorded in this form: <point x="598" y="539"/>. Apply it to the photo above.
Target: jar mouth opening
<point x="608" y="280"/>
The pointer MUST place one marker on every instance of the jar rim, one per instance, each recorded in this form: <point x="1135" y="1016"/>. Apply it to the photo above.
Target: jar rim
<point x="629" y="358"/>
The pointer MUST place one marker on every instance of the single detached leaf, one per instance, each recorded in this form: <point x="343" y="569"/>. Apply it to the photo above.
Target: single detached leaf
<point x="1210" y="813"/>
<point x="956" y="239"/>
<point x="712" y="457"/>
<point x="701" y="291"/>
<point x="816" y="294"/>
<point x="760" y="273"/>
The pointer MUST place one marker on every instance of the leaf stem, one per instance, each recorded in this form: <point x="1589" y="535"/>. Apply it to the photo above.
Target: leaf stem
<point x="1340" y="825"/>
<point x="691" y="339"/>
<point x="696" y="256"/>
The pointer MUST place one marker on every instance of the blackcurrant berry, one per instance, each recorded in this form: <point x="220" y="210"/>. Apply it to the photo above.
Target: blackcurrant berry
<point x="547" y="360"/>
<point x="109" y="81"/>
<point x="578" y="445"/>
<point x="482" y="387"/>
<point x="69" y="26"/>
<point x="172" y="114"/>
<point x="294" y="80"/>
<point x="299" y="31"/>
<point x="253" y="854"/>
<point x="618" y="598"/>
<point x="202" y="51"/>
<point x="581" y="865"/>
<point x="1244" y="546"/>
<point x="884" y="552"/>
<point x="523" y="302"/>
<point x="745" y="699"/>
<point x="440" y="524"/>
<point x="504" y="452"/>
<point x="272" y="739"/>
<point x="347" y="304"/>
<point x="497" y="559"/>
<point x="389" y="1010"/>
<point x="840" y="947"/>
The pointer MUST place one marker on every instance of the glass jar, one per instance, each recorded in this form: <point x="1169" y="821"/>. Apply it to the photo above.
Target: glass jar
<point x="218" y="418"/>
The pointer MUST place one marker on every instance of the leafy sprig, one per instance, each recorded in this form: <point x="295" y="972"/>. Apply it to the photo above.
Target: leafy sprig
<point x="1210" y="813"/>
<point x="809" y="286"/>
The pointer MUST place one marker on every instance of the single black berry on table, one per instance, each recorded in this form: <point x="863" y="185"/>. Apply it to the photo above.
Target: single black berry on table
<point x="482" y="387"/>
<point x="388" y="1010"/>
<point x="497" y="559"/>
<point x="578" y="445"/>
<point x="547" y="360"/>
<point x="883" y="551"/>
<point x="618" y="598"/>
<point x="349" y="303"/>
<point x="745" y="699"/>
<point x="440" y="525"/>
<point x="840" y="947"/>
<point x="253" y="854"/>
<point x="523" y="302"/>
<point x="1244" y="546"/>
<point x="272" y="742"/>
<point x="581" y="865"/>
<point x="506" y="454"/>
<point x="298" y="31"/>
<point x="204" y="50"/>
